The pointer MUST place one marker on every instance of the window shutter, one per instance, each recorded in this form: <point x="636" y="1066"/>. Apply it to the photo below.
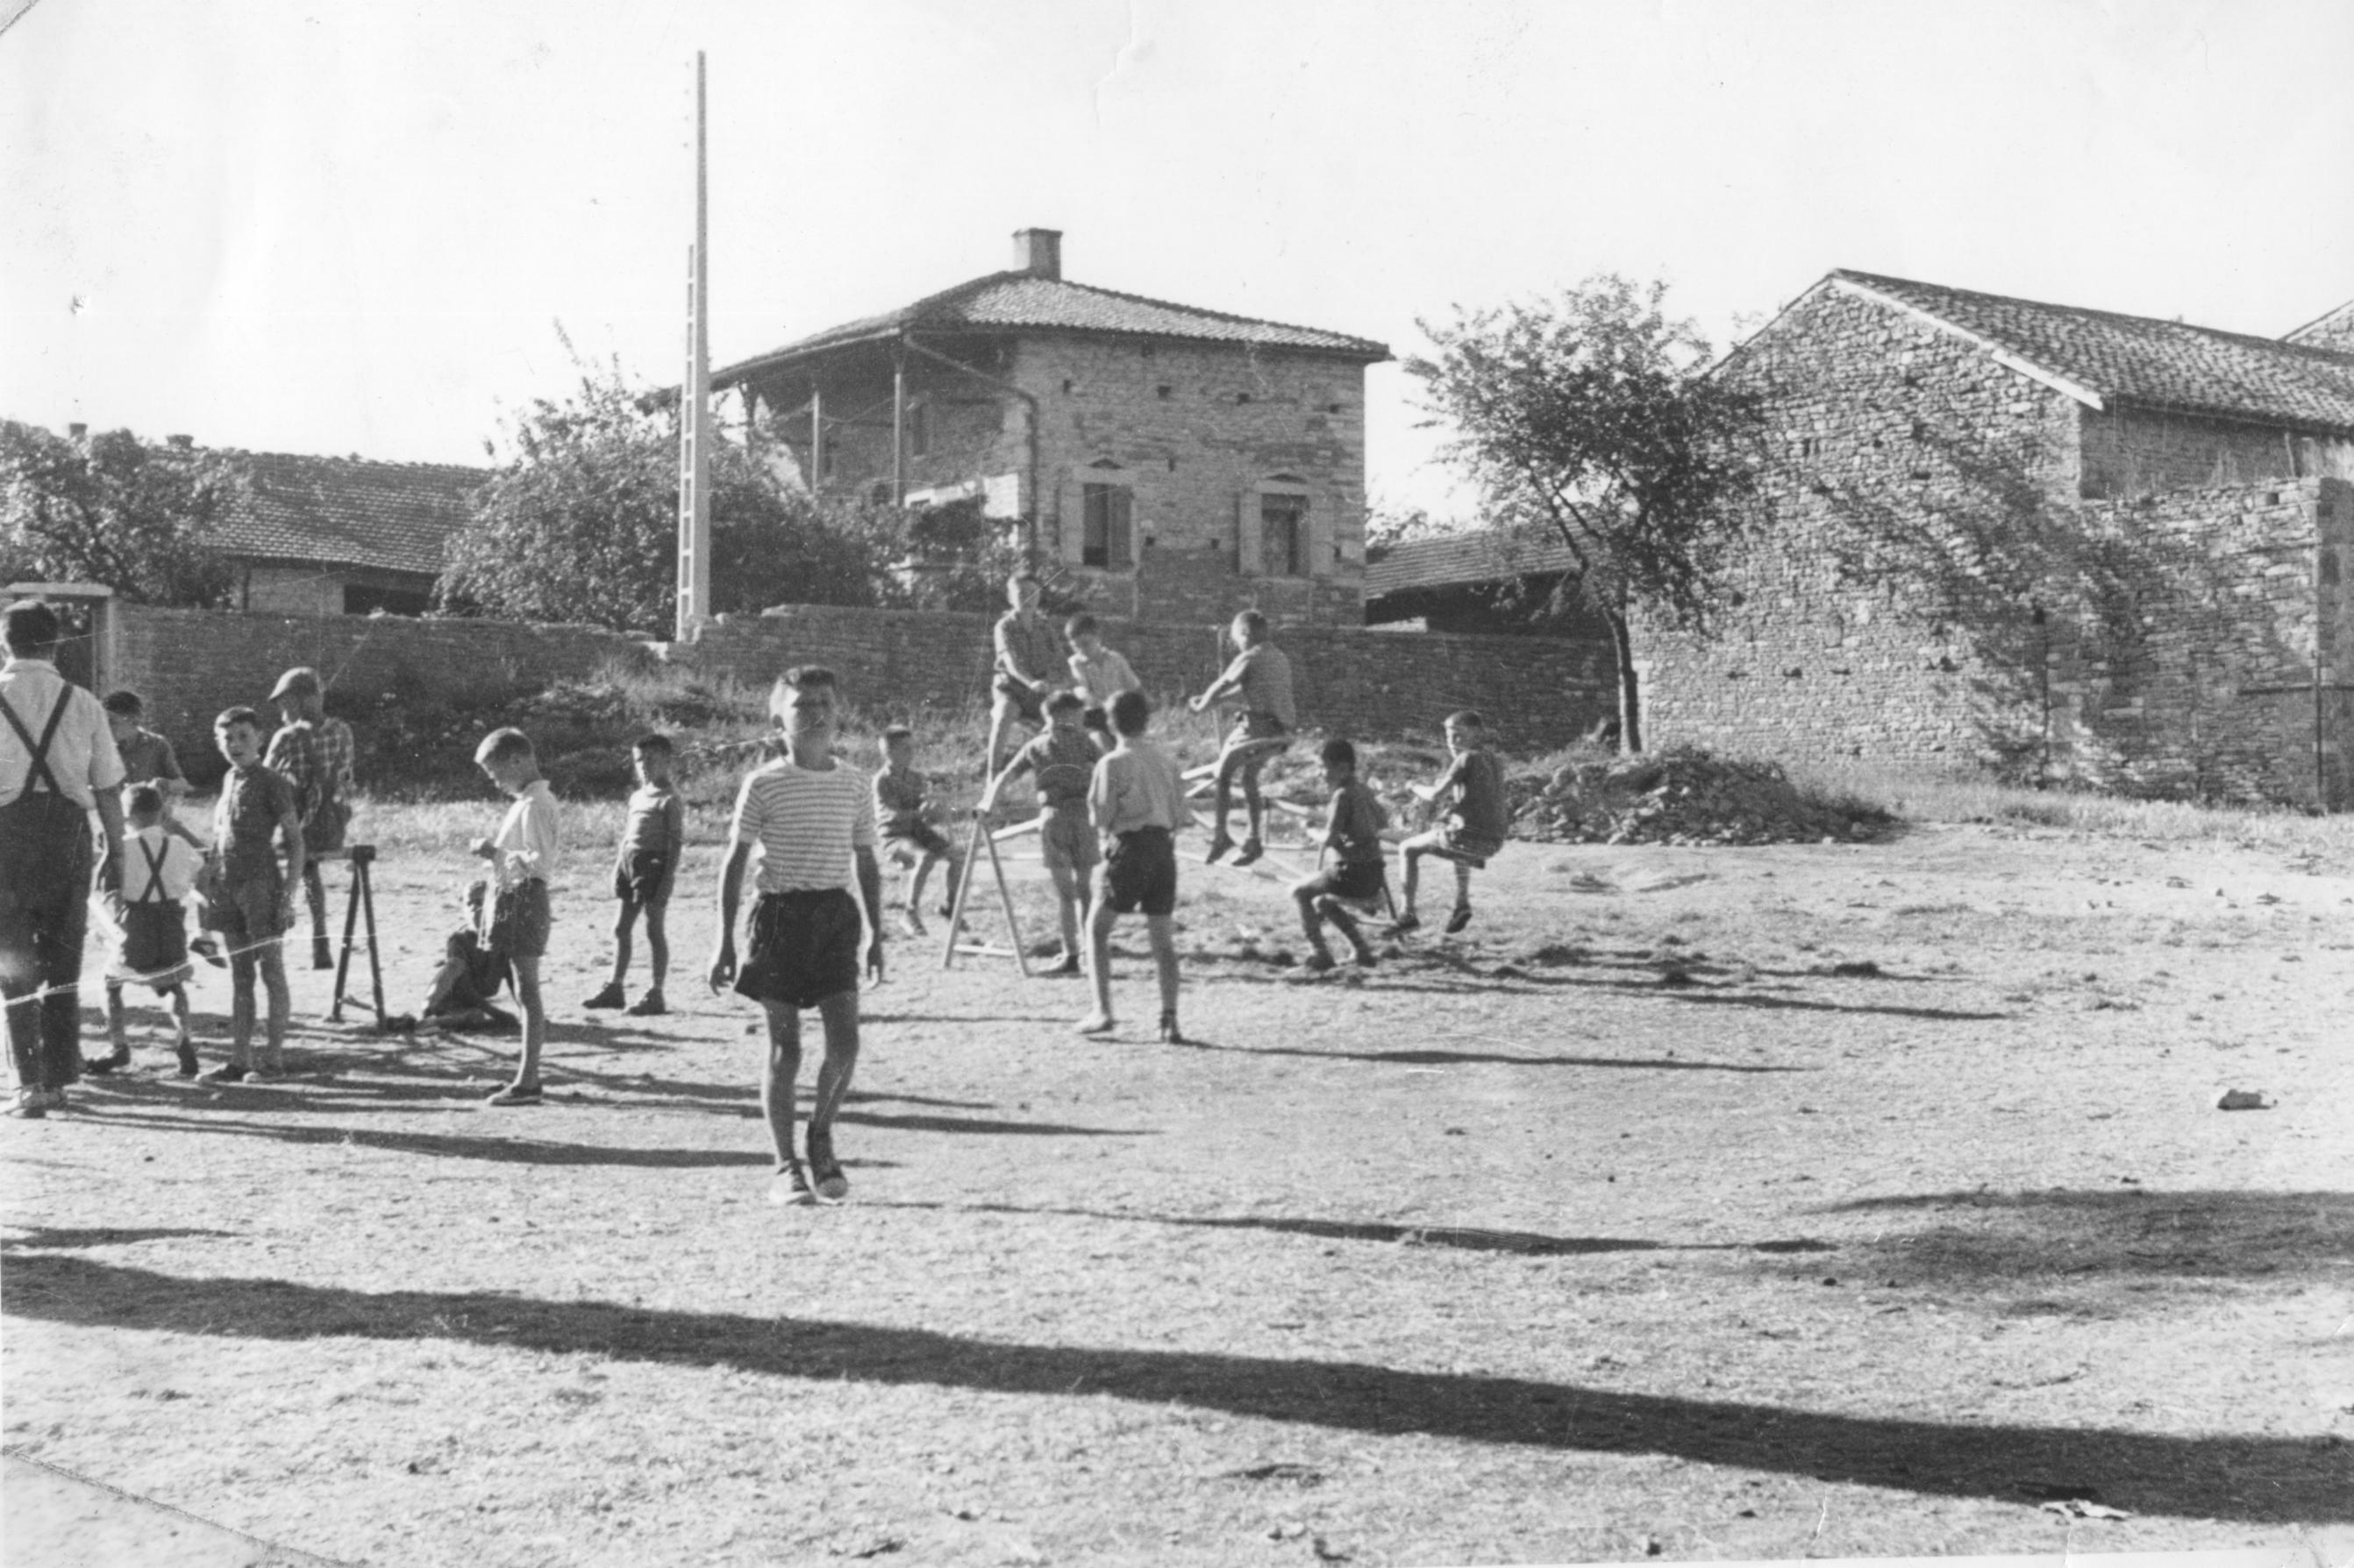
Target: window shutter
<point x="1319" y="523"/>
<point x="1250" y="554"/>
<point x="1119" y="533"/>
<point x="1074" y="513"/>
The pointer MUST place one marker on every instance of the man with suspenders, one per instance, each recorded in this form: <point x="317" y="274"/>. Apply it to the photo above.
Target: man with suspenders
<point x="57" y="762"/>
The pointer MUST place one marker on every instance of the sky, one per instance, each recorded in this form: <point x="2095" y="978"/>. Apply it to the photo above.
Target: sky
<point x="320" y="227"/>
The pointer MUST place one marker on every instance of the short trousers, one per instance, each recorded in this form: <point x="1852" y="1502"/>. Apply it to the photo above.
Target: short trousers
<point x="326" y="828"/>
<point x="1067" y="840"/>
<point x="1464" y="849"/>
<point x="1259" y="729"/>
<point x="1021" y="699"/>
<point x="1351" y="884"/>
<point x="154" y="945"/>
<point x="251" y="908"/>
<point x="922" y="837"/>
<point x="518" y="921"/>
<point x="639" y="879"/>
<point x="1140" y="873"/>
<point x="802" y="947"/>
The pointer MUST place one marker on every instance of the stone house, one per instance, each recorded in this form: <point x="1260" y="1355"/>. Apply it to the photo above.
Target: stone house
<point x="2070" y="544"/>
<point x="1173" y="462"/>
<point x="1482" y="584"/>
<point x="328" y="535"/>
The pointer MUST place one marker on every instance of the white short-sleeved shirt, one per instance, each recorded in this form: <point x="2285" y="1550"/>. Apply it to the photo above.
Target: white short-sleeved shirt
<point x="82" y="755"/>
<point x="530" y="838"/>
<point x="806" y="823"/>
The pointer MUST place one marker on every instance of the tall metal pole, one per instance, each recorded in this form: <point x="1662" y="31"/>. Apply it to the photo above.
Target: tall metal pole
<point x="694" y="409"/>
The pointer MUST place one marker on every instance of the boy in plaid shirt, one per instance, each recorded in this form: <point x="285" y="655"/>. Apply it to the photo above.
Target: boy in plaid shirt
<point x="314" y="753"/>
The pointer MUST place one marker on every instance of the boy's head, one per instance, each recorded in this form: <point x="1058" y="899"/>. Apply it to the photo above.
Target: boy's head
<point x="1339" y="759"/>
<point x="1083" y="632"/>
<point x="238" y="733"/>
<point x="143" y="805"/>
<point x="507" y="760"/>
<point x="651" y="754"/>
<point x="297" y="692"/>
<point x="899" y="746"/>
<point x="123" y="712"/>
<point x="1249" y="628"/>
<point x="1130" y="714"/>
<point x="1465" y="728"/>
<point x="1021" y="590"/>
<point x="1064" y="709"/>
<point x="30" y="629"/>
<point x="804" y="703"/>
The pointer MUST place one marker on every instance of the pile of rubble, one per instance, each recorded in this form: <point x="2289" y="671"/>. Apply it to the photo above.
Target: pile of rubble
<point x="1683" y="797"/>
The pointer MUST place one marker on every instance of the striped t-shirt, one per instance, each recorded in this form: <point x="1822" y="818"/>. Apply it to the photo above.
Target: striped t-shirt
<point x="806" y="824"/>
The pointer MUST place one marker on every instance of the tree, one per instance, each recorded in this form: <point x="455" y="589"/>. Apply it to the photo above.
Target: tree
<point x="1593" y="420"/>
<point x="580" y="523"/>
<point x="117" y="511"/>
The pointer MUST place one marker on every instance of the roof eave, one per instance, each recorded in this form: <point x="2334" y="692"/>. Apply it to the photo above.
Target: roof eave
<point x="2007" y="358"/>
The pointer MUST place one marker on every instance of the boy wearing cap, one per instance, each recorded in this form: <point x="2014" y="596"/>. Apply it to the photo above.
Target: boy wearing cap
<point x="314" y="753"/>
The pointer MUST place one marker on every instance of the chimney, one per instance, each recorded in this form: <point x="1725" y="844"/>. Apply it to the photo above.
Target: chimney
<point x="77" y="431"/>
<point x="182" y="443"/>
<point x="1038" y="252"/>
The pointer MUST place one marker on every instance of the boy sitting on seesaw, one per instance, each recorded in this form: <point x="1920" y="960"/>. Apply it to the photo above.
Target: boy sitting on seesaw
<point x="1261" y="675"/>
<point x="1353" y="834"/>
<point x="645" y="869"/>
<point x="1063" y="760"/>
<point x="159" y="871"/>
<point x="907" y="819"/>
<point x="1138" y="800"/>
<point x="1470" y="795"/>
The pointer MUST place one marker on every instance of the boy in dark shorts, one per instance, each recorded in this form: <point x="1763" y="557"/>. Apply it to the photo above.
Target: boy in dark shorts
<point x="1063" y="763"/>
<point x="813" y="819"/>
<point x="248" y="899"/>
<point x="1261" y="677"/>
<point x="1472" y="826"/>
<point x="150" y="906"/>
<point x="1137" y="799"/>
<point x="1352" y="833"/>
<point x="523" y="855"/>
<point x="645" y="866"/>
<point x="904" y="813"/>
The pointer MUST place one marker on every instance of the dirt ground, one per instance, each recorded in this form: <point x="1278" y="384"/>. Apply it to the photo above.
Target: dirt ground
<point x="1699" y="1203"/>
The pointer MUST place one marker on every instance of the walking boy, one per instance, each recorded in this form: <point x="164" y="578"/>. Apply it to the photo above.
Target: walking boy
<point x="150" y="906"/>
<point x="248" y="899"/>
<point x="1064" y="762"/>
<point x="314" y="753"/>
<point x="1137" y="798"/>
<point x="1353" y="835"/>
<point x="1028" y="652"/>
<point x="1261" y="677"/>
<point x="654" y="841"/>
<point x="813" y="819"/>
<point x="1097" y="673"/>
<point x="523" y="855"/>
<point x="904" y="809"/>
<point x="1470" y="798"/>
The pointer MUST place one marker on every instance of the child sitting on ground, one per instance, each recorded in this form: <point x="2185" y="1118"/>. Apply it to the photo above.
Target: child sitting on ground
<point x="1469" y="796"/>
<point x="523" y="856"/>
<point x="645" y="868"/>
<point x="1352" y="833"/>
<point x="1098" y="675"/>
<point x="1063" y="760"/>
<point x="1261" y="675"/>
<point x="159" y="872"/>
<point x="1138" y="799"/>
<point x="911" y="835"/>
<point x="247" y="898"/>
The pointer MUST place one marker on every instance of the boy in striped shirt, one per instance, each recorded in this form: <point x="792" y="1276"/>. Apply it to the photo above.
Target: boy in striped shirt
<point x="813" y="818"/>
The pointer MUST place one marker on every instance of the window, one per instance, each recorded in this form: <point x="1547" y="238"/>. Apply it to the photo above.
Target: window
<point x="1283" y="536"/>
<point x="1107" y="537"/>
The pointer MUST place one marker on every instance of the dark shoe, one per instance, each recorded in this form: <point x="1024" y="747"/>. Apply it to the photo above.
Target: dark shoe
<point x="99" y="1066"/>
<point x="1402" y="923"/>
<point x="1219" y="846"/>
<point x="30" y="1104"/>
<point x="611" y="996"/>
<point x="1252" y="849"/>
<point x="1460" y="918"/>
<point x="1364" y="958"/>
<point x="1317" y="962"/>
<point x="790" y="1187"/>
<point x="650" y="1005"/>
<point x="827" y="1181"/>
<point x="207" y="947"/>
<point x="189" y="1066"/>
<point x="226" y="1073"/>
<point x="1169" y="1034"/>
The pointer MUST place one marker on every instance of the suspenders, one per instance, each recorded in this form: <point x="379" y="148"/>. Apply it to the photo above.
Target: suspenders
<point x="37" y="773"/>
<point x="154" y="892"/>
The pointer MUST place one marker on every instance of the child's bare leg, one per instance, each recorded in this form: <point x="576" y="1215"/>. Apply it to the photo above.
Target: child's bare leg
<point x="782" y="1071"/>
<point x="177" y="999"/>
<point x="916" y="879"/>
<point x="115" y="1034"/>
<point x="658" y="940"/>
<point x="839" y="1013"/>
<point x="1462" y="885"/>
<point x="534" y="1021"/>
<point x="273" y="960"/>
<point x="314" y="892"/>
<point x="242" y="962"/>
<point x="1163" y="931"/>
<point x="1346" y="924"/>
<point x="1099" y="924"/>
<point x="1070" y="905"/>
<point x="1411" y="856"/>
<point x="1312" y="923"/>
<point x="625" y="920"/>
<point x="1254" y="803"/>
<point x="1229" y="762"/>
<point x="1001" y="714"/>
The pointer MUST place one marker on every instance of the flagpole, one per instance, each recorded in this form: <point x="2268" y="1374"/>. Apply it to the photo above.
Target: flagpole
<point x="694" y="409"/>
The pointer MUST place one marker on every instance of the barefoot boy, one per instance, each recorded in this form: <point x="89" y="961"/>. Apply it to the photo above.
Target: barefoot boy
<point x="249" y="900"/>
<point x="813" y="819"/>
<point x="1261" y="675"/>
<point x="1353" y="834"/>
<point x="654" y="841"/>
<point x="1064" y="762"/>
<point x="158" y="872"/>
<point x="1470" y="798"/>
<point x="904" y="811"/>
<point x="1137" y="798"/>
<point x="523" y="856"/>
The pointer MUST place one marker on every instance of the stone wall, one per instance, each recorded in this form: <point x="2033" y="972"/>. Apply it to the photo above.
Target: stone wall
<point x="1538" y="693"/>
<point x="2128" y="452"/>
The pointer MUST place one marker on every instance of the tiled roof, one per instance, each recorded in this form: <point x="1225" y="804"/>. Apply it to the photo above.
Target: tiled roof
<point x="347" y="511"/>
<point x="1457" y="558"/>
<point x="1017" y="301"/>
<point x="2335" y="330"/>
<point x="2140" y="360"/>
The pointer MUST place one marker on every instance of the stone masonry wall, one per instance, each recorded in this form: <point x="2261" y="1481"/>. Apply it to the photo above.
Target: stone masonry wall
<point x="1538" y="693"/>
<point x="2129" y="452"/>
